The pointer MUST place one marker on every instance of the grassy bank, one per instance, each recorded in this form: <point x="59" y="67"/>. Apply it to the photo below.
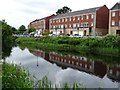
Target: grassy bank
<point x="109" y="45"/>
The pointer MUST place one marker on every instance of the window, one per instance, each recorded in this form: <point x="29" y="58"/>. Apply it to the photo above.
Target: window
<point x="74" y="25"/>
<point x="50" y="21"/>
<point x="113" y="23"/>
<point x="87" y="16"/>
<point x="77" y="25"/>
<point x="61" y="26"/>
<point x="70" y="18"/>
<point x="65" y="25"/>
<point x="66" y="19"/>
<point x="113" y="14"/>
<point x="69" y="25"/>
<point x="78" y="18"/>
<point x="63" y="20"/>
<point x="73" y="18"/>
<point x="119" y="22"/>
<point x="81" y="17"/>
<point x="92" y="24"/>
<point x="92" y="16"/>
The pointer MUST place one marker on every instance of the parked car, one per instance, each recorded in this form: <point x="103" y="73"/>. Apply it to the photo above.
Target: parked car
<point x="76" y="35"/>
<point x="37" y="35"/>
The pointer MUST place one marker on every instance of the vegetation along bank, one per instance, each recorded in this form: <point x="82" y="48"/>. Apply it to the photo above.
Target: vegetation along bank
<point x="108" y="45"/>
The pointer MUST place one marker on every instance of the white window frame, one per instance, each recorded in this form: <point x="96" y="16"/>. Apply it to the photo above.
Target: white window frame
<point x="113" y="14"/>
<point x="74" y="25"/>
<point x="92" y="24"/>
<point x="78" y="18"/>
<point x="92" y="16"/>
<point x="87" y="17"/>
<point x="113" y="23"/>
<point x="62" y="19"/>
<point x="66" y="19"/>
<point x="119" y="23"/>
<point x="69" y="18"/>
<point x="73" y="18"/>
<point x="81" y="17"/>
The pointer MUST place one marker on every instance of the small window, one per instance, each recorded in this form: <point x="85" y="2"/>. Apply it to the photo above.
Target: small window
<point x="66" y="19"/>
<point x="92" y="16"/>
<point x="81" y="17"/>
<point x="73" y="18"/>
<point x="78" y="18"/>
<point x="113" y="23"/>
<point x="113" y="14"/>
<point x="92" y="24"/>
<point x="87" y="16"/>
<point x="119" y="22"/>
<point x="70" y="18"/>
<point x="63" y="20"/>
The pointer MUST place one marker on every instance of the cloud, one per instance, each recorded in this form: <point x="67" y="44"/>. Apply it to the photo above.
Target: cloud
<point x="28" y="11"/>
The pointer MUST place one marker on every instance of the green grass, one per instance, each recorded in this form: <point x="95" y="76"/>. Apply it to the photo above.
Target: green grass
<point x="109" y="45"/>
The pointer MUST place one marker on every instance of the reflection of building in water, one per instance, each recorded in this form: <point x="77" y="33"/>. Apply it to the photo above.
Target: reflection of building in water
<point x="114" y="72"/>
<point x="81" y="63"/>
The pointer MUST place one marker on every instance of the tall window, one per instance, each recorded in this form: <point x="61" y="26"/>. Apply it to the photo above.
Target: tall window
<point x="74" y="25"/>
<point x="92" y="24"/>
<point x="63" y="20"/>
<point x="78" y="18"/>
<point x="81" y="17"/>
<point x="113" y="14"/>
<point x="73" y="18"/>
<point x="87" y="16"/>
<point x="119" y="23"/>
<point x="92" y="16"/>
<point x="70" y="18"/>
<point x="66" y="19"/>
<point x="113" y="23"/>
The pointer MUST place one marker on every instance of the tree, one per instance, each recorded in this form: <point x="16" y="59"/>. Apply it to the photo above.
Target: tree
<point x="14" y="30"/>
<point x="7" y="39"/>
<point x="62" y="10"/>
<point x="22" y="29"/>
<point x="31" y="29"/>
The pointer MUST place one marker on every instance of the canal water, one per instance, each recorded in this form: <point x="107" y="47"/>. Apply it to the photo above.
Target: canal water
<point x="61" y="68"/>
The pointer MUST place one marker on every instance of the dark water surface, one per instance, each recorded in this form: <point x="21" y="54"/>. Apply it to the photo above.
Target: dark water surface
<point x="61" y="68"/>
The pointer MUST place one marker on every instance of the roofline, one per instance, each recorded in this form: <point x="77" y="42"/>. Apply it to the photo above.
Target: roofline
<point x="79" y="10"/>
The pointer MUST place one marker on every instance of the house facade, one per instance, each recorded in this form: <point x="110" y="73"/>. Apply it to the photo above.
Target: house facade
<point x="114" y="20"/>
<point x="93" y="21"/>
<point x="41" y="25"/>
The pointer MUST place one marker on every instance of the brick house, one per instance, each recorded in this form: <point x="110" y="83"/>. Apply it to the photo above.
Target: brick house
<point x="114" y="19"/>
<point x="93" y="21"/>
<point x="41" y="25"/>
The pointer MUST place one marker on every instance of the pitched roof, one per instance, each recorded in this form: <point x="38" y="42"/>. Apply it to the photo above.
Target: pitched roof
<point x="116" y="6"/>
<point x="90" y="10"/>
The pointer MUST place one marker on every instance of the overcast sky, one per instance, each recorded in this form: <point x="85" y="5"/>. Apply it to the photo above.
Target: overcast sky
<point x="22" y="12"/>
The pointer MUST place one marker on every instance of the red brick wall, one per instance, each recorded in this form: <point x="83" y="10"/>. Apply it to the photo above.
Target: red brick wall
<point x="76" y="21"/>
<point x="116" y="18"/>
<point x="102" y="18"/>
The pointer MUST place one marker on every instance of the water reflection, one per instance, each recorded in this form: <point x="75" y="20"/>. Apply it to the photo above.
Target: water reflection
<point x="61" y="68"/>
<point x="81" y="63"/>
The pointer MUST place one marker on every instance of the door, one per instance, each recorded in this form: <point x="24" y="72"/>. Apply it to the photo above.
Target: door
<point x="118" y="32"/>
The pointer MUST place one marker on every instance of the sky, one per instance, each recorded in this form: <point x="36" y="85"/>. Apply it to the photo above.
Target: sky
<point x="22" y="12"/>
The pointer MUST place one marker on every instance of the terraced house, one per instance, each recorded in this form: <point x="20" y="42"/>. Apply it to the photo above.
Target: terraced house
<point x="114" y="19"/>
<point x="41" y="25"/>
<point x="93" y="21"/>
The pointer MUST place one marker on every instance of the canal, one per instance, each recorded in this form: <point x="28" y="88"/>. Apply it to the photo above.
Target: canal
<point x="61" y="68"/>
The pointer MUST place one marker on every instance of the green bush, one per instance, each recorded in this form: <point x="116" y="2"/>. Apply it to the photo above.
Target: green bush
<point x="15" y="77"/>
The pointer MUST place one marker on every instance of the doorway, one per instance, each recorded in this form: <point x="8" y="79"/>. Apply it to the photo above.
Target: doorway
<point x="118" y="32"/>
<point x="71" y="32"/>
